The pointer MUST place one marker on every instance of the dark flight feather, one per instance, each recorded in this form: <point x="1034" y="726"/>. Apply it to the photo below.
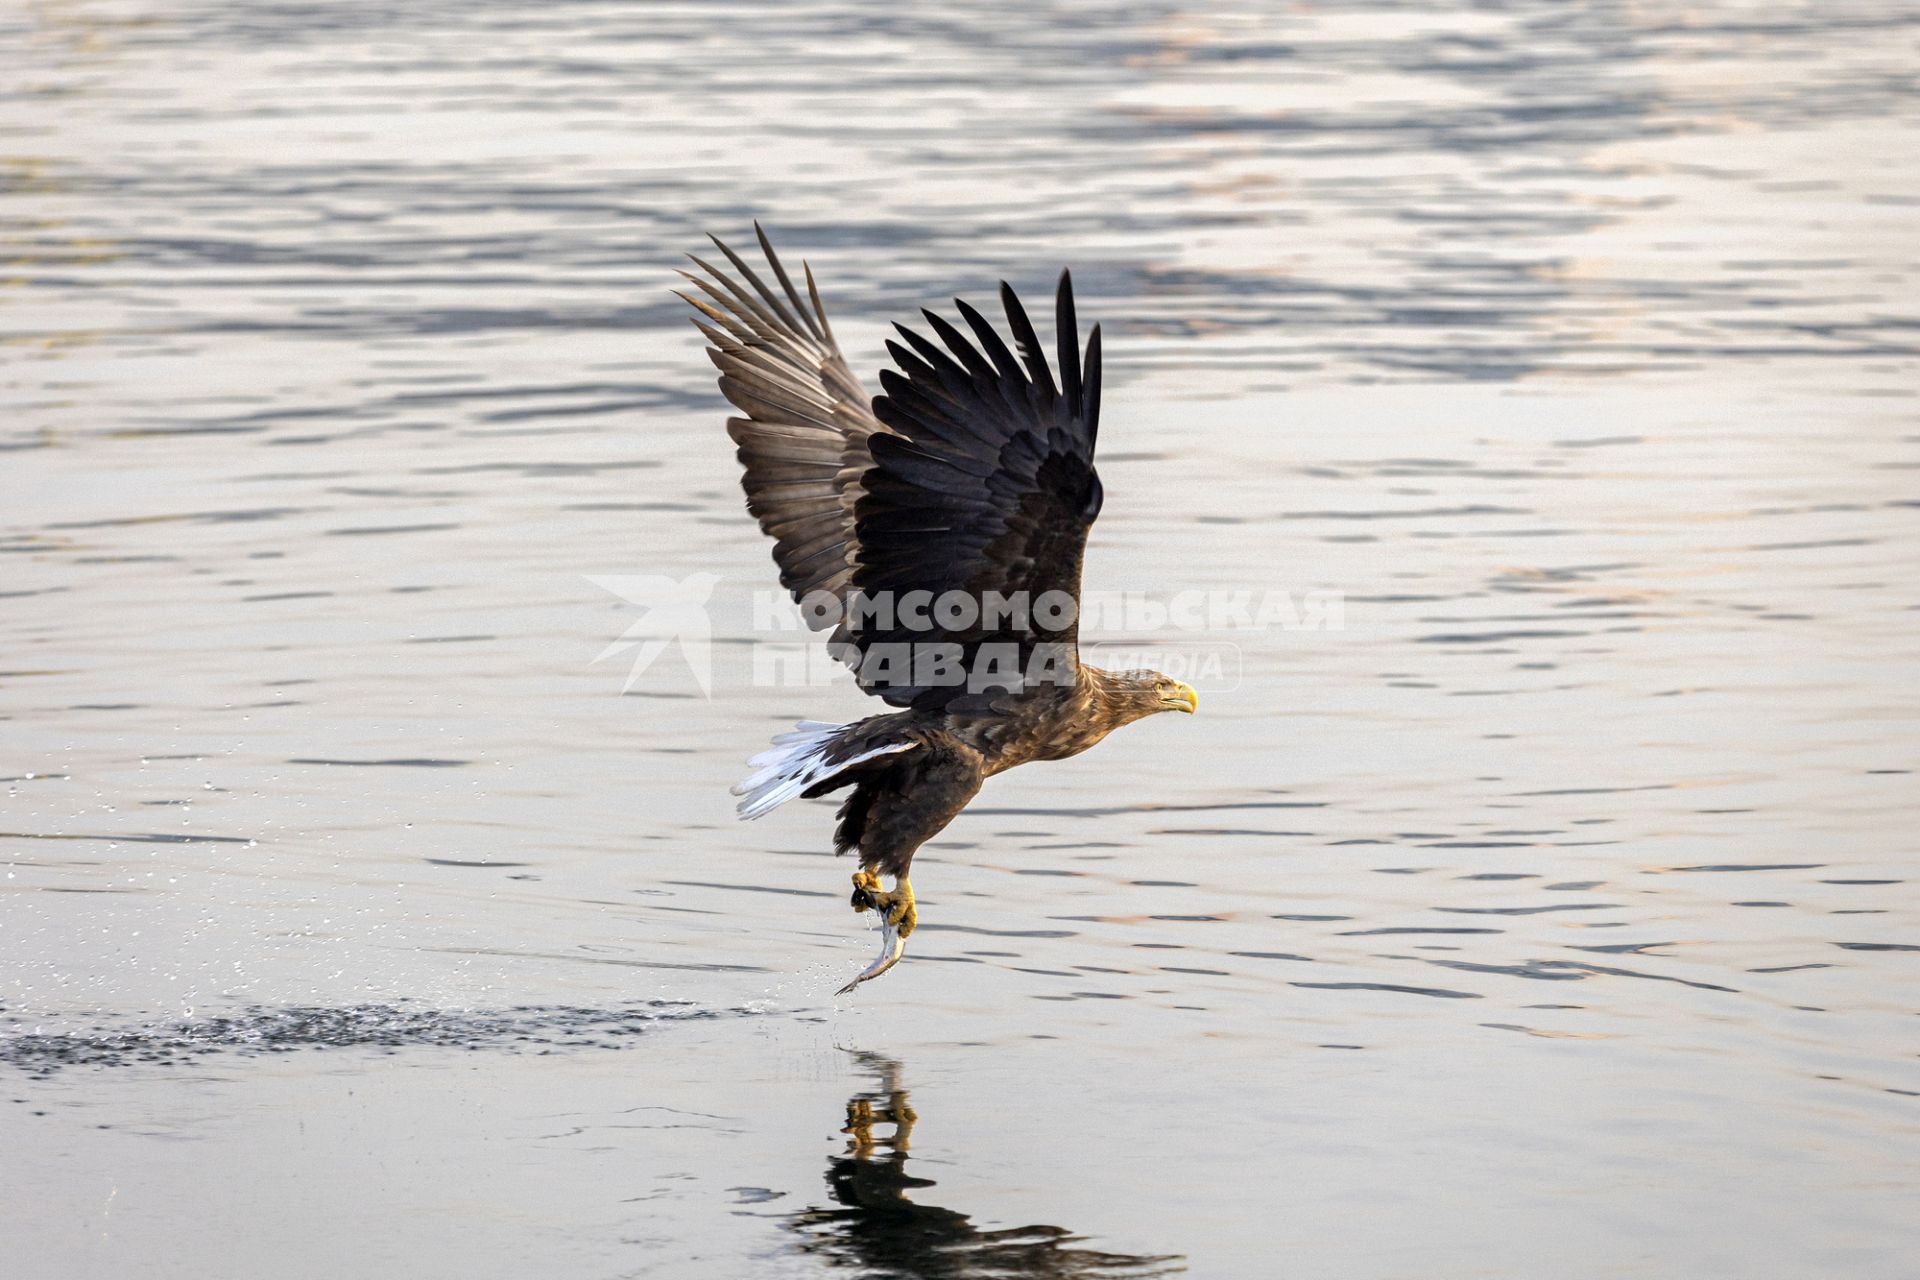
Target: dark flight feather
<point x="803" y="439"/>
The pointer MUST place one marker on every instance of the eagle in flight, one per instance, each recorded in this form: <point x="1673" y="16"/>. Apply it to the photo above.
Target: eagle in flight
<point x="937" y="530"/>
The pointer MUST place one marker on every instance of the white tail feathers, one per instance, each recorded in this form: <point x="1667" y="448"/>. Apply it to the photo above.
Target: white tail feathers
<point x="796" y="762"/>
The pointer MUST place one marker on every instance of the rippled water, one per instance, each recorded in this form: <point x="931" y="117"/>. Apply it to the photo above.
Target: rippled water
<point x="1554" y="917"/>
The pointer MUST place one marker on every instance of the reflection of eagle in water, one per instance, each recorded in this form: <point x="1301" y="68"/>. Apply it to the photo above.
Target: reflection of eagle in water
<point x="938" y="529"/>
<point x="879" y="1230"/>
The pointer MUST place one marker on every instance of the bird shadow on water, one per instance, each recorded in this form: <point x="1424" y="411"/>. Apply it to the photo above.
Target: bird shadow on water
<point x="875" y="1227"/>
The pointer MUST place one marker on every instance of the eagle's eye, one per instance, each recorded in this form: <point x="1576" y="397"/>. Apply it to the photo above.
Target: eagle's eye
<point x="1176" y="695"/>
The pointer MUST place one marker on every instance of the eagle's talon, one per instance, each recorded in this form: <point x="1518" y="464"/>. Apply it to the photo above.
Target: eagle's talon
<point x="866" y="890"/>
<point x="895" y="905"/>
<point x="902" y="915"/>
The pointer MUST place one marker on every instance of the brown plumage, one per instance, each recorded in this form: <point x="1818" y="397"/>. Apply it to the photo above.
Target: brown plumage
<point x="971" y="479"/>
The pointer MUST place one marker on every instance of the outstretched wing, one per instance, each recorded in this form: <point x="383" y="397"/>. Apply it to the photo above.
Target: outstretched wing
<point x="985" y="488"/>
<point x="804" y="439"/>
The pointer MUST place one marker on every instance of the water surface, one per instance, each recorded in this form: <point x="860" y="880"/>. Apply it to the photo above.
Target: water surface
<point x="1555" y="916"/>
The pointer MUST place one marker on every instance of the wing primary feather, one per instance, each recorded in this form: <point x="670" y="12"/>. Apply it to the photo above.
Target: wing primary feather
<point x="813" y="291"/>
<point x="976" y="363"/>
<point x="922" y="400"/>
<point x="943" y="363"/>
<point x="1066" y="333"/>
<point x="805" y="418"/>
<point x="910" y="363"/>
<point x="1028" y="342"/>
<point x="990" y="343"/>
<point x="714" y="337"/>
<point x="780" y="272"/>
<point x="763" y="322"/>
<point x="716" y="340"/>
<point x="743" y="332"/>
<point x="759" y="287"/>
<point x="1092" y="416"/>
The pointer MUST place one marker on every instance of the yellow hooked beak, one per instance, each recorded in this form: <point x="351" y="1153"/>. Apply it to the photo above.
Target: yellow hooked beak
<point x="1181" y="698"/>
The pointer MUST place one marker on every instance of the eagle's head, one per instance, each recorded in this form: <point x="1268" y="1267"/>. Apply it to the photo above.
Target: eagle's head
<point x="1133" y="694"/>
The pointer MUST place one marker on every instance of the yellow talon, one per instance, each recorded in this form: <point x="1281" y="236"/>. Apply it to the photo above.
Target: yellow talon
<point x="900" y="913"/>
<point x="895" y="906"/>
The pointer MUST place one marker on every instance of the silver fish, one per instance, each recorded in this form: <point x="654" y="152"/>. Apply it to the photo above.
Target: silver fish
<point x="892" y="946"/>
